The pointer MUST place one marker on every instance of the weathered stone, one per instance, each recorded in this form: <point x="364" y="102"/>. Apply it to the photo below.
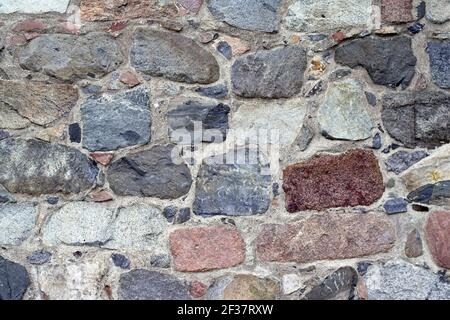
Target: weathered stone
<point x="172" y="56"/>
<point x="305" y="136"/>
<point x="5" y="196"/>
<point x="230" y="184"/>
<point x="160" y="261"/>
<point x="417" y="119"/>
<point x="343" y="114"/>
<point x="116" y="120"/>
<point x="436" y="194"/>
<point x="187" y="119"/>
<point x="250" y="287"/>
<point x="255" y="15"/>
<point x="157" y="172"/>
<point x="206" y="248"/>
<point x="396" y="11"/>
<point x="219" y="91"/>
<point x="321" y="15"/>
<point x="170" y="212"/>
<point x="341" y="281"/>
<point x="413" y="245"/>
<point x="39" y="257"/>
<point x="399" y="280"/>
<point x="35" y="6"/>
<point x="389" y="61"/>
<point x="55" y="168"/>
<point x="291" y="283"/>
<point x="70" y="57"/>
<point x="313" y="184"/>
<point x="438" y="10"/>
<point x="325" y="237"/>
<point x="402" y="160"/>
<point x="120" y="261"/>
<point x="129" y="78"/>
<point x="416" y="27"/>
<point x="142" y="284"/>
<point x="396" y="205"/>
<point x="14" y="280"/>
<point x="225" y="49"/>
<point x="16" y="222"/>
<point x="371" y="98"/>
<point x="437" y="232"/>
<point x="277" y="73"/>
<point x="376" y="141"/>
<point x="439" y="53"/>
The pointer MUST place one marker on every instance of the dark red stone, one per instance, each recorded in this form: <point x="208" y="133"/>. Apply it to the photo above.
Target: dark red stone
<point x="396" y="11"/>
<point x="197" y="289"/>
<point x="437" y="232"/>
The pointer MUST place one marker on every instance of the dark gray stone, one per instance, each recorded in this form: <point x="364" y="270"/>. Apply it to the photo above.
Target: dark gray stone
<point x="158" y="172"/>
<point x="52" y="200"/>
<point x="114" y="121"/>
<point x="172" y="56"/>
<point x="39" y="257"/>
<point x="363" y="266"/>
<point x="389" y="61"/>
<point x="371" y="98"/>
<point x="183" y="215"/>
<point x="305" y="136"/>
<point x="416" y="27"/>
<point x="436" y="194"/>
<point x="142" y="284"/>
<point x="160" y="261"/>
<point x="255" y="15"/>
<point x="376" y="142"/>
<point x="417" y="119"/>
<point x="342" y="280"/>
<point x="38" y="167"/>
<point x="277" y="73"/>
<point x="225" y="49"/>
<point x="5" y="196"/>
<point x="439" y="53"/>
<point x="14" y="280"/>
<point x="75" y="132"/>
<point x="170" y="212"/>
<point x="402" y="160"/>
<point x="91" y="89"/>
<point x="3" y="134"/>
<point x="120" y="261"/>
<point x="219" y="91"/>
<point x="397" y="205"/>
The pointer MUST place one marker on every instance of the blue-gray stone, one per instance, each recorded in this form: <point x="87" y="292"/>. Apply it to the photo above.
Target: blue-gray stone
<point x="402" y="160"/>
<point x="219" y="91"/>
<point x="225" y="49"/>
<point x="439" y="53"/>
<point x="371" y="98"/>
<point x="170" y="212"/>
<point x="376" y="142"/>
<point x="39" y="257"/>
<point x="397" y="205"/>
<point x="5" y="196"/>
<point x="14" y="280"/>
<point x="120" y="261"/>
<point x="437" y="194"/>
<point x="75" y="132"/>
<point x="53" y="200"/>
<point x="3" y="134"/>
<point x="183" y="215"/>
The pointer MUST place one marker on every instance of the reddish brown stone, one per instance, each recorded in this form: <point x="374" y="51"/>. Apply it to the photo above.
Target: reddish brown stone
<point x="29" y="25"/>
<point x="338" y="36"/>
<point x="328" y="181"/>
<point x="102" y="158"/>
<point x="101" y="196"/>
<point x="437" y="233"/>
<point x="206" y="248"/>
<point x="189" y="6"/>
<point x="117" y="26"/>
<point x="396" y="11"/>
<point x="330" y="236"/>
<point x="129" y="78"/>
<point x="197" y="289"/>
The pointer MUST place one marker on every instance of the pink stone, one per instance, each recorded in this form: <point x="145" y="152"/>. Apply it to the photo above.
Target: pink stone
<point x="197" y="289"/>
<point x="396" y="11"/>
<point x="129" y="78"/>
<point x="29" y="25"/>
<point x="17" y="40"/>
<point x="101" y="196"/>
<point x="437" y="233"/>
<point x="102" y="158"/>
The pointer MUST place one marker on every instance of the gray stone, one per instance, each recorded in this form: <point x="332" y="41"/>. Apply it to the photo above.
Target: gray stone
<point x="371" y="98"/>
<point x="16" y="222"/>
<point x="157" y="172"/>
<point x="343" y="115"/>
<point x="436" y="194"/>
<point x="5" y="196"/>
<point x="70" y="57"/>
<point x="37" y="167"/>
<point x="396" y="205"/>
<point x="14" y="280"/>
<point x="277" y="73"/>
<point x="120" y="261"/>
<point x="142" y="284"/>
<point x="399" y="280"/>
<point x="255" y="15"/>
<point x="170" y="212"/>
<point x="114" y="121"/>
<point x="342" y="280"/>
<point x="219" y="91"/>
<point x="305" y="137"/>
<point x="160" y="261"/>
<point x="389" y="61"/>
<point x="417" y="119"/>
<point x="402" y="160"/>
<point x="291" y="283"/>
<point x="376" y="142"/>
<point x="183" y="215"/>
<point x="39" y="257"/>
<point x="438" y="11"/>
<point x="413" y="245"/>
<point x="229" y="184"/>
<point x="439" y="53"/>
<point x="172" y="56"/>
<point x="35" y="6"/>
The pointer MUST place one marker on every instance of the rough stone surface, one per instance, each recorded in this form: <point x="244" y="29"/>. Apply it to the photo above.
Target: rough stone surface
<point x="250" y="287"/>
<point x="39" y="257"/>
<point x="206" y="248"/>
<point x="438" y="10"/>
<point x="70" y="58"/>
<point x="344" y="113"/>
<point x="262" y="75"/>
<point x="291" y="282"/>
<point x="325" y="237"/>
<point x="342" y="280"/>
<point x="142" y="284"/>
<point x="116" y="121"/>
<point x="396" y="205"/>
<point x="5" y="196"/>
<point x="396" y="11"/>
<point x="55" y="168"/>
<point x="305" y="136"/>
<point x="256" y="15"/>
<point x="172" y="56"/>
<point x="389" y="61"/>
<point x="402" y="160"/>
<point x="437" y="232"/>
<point x="417" y="119"/>
<point x="219" y="91"/>
<point x="439" y="53"/>
<point x="328" y="181"/>
<point x="436" y="194"/>
<point x="120" y="261"/>
<point x="16" y="222"/>
<point x="157" y="172"/>
<point x="35" y="6"/>
<point x="413" y="245"/>
<point x="14" y="280"/>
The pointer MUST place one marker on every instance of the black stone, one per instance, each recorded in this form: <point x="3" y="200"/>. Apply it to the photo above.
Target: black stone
<point x="39" y="257"/>
<point x="219" y="91"/>
<point x="363" y="266"/>
<point x="14" y="280"/>
<point x="420" y="208"/>
<point x="342" y="280"/>
<point x="75" y="132"/>
<point x="224" y="48"/>
<point x="318" y="88"/>
<point x="120" y="261"/>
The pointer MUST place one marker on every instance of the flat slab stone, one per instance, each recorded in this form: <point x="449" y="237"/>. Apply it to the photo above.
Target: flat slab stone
<point x="439" y="53"/>
<point x="437" y="232"/>
<point x="342" y="281"/>
<point x="35" y="6"/>
<point x="16" y="222"/>
<point x="402" y="160"/>
<point x="434" y="193"/>
<point x="14" y="280"/>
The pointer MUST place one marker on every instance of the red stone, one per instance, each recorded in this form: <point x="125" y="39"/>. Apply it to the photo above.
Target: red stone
<point x="102" y="158"/>
<point x="101" y="196"/>
<point x="437" y="233"/>
<point x="325" y="237"/>
<point x="396" y="11"/>
<point x="29" y="25"/>
<point x="338" y="36"/>
<point x="117" y="26"/>
<point x="326" y="181"/>
<point x="206" y="248"/>
<point x="129" y="78"/>
<point x="197" y="289"/>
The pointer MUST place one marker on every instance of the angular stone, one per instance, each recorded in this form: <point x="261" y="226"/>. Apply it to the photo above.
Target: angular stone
<point x="291" y="283"/>
<point x="396" y="205"/>
<point x="396" y="11"/>
<point x="39" y="257"/>
<point x="313" y="184"/>
<point x="101" y="196"/>
<point x="437" y="233"/>
<point x="247" y="287"/>
<point x="399" y="280"/>
<point x="322" y="15"/>
<point x="332" y="236"/>
<point x="413" y="245"/>
<point x="277" y="73"/>
<point x="402" y="160"/>
<point x="29" y="25"/>
<point x="114" y="121"/>
<point x="206" y="248"/>
<point x="14" y="280"/>
<point x="74" y="132"/>
<point x="172" y="56"/>
<point x="219" y="91"/>
<point x="254" y="15"/>
<point x="197" y="289"/>
<point x="157" y="172"/>
<point x="339" y="282"/>
<point x="438" y="11"/>
<point x="231" y="184"/>
<point x="16" y="222"/>
<point x="389" y="61"/>
<point x="10" y="119"/>
<point x="305" y="136"/>
<point x="417" y="119"/>
<point x="120" y="261"/>
<point x="5" y="196"/>
<point x="102" y="158"/>
<point x="37" y="167"/>
<point x="35" y="6"/>
<point x="436" y="194"/>
<point x="70" y="57"/>
<point x="439" y="53"/>
<point x="343" y="115"/>
<point x="142" y="284"/>
<point x="187" y="119"/>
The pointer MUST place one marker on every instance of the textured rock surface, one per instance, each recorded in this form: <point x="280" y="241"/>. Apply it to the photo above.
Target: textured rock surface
<point x="244" y="287"/>
<point x="413" y="245"/>
<point x="16" y="222"/>
<point x="396" y="205"/>
<point x="402" y="160"/>
<point x="397" y="11"/>
<point x="342" y="280"/>
<point x="437" y="233"/>
<point x="439" y="53"/>
<point x="438" y="10"/>
<point x="39" y="257"/>
<point x="35" y="6"/>
<point x="434" y="193"/>
<point x="325" y="237"/>
<point x="14" y="280"/>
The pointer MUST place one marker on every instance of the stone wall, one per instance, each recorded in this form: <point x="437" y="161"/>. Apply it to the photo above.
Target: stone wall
<point x="237" y="149"/>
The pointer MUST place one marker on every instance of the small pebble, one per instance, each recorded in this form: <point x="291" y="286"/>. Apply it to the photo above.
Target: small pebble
<point x="39" y="257"/>
<point x="120" y="261"/>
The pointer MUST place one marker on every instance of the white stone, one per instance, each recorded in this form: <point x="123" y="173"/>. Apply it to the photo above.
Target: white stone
<point x="438" y="10"/>
<point x="291" y="283"/>
<point x="33" y="6"/>
<point x="16" y="222"/>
